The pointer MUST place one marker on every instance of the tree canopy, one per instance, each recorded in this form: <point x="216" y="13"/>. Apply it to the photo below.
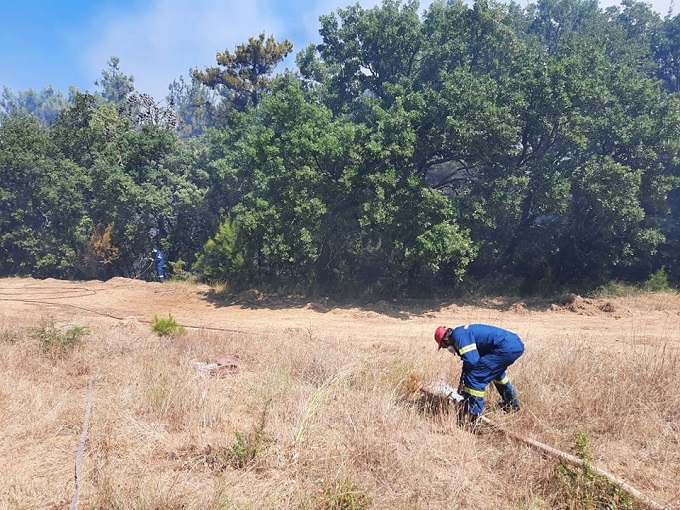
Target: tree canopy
<point x="410" y="150"/>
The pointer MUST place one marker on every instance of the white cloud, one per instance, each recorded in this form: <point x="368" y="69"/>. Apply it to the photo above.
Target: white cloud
<point x="163" y="41"/>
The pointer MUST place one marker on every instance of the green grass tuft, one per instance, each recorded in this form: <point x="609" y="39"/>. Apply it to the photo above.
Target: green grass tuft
<point x="56" y="339"/>
<point x="584" y="489"/>
<point x="166" y="327"/>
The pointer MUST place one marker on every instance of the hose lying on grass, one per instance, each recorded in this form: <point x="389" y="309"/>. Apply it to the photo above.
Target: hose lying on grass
<point x="440" y="396"/>
<point x="653" y="505"/>
<point x="83" y="437"/>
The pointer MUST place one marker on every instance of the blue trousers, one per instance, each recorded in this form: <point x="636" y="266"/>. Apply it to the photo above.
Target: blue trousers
<point x="490" y="368"/>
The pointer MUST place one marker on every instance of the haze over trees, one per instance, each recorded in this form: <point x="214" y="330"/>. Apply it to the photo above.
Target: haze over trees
<point x="410" y="150"/>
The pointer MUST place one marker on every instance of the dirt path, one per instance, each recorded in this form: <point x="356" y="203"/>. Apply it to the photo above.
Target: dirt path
<point x="609" y="323"/>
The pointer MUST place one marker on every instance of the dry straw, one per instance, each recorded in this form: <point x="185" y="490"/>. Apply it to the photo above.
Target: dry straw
<point x="342" y="428"/>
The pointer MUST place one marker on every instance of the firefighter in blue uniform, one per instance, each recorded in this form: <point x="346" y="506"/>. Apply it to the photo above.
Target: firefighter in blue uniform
<point x="159" y="260"/>
<point x="487" y="352"/>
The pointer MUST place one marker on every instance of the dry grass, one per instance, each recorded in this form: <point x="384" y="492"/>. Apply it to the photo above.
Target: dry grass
<point x="315" y="422"/>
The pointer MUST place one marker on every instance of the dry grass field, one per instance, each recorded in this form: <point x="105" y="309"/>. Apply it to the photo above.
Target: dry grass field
<point x="99" y="411"/>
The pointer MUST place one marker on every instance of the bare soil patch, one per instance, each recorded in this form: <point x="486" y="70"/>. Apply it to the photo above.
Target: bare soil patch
<point x="606" y="323"/>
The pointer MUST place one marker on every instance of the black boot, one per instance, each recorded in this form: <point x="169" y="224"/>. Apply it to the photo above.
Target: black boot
<point x="467" y="420"/>
<point x="509" y="400"/>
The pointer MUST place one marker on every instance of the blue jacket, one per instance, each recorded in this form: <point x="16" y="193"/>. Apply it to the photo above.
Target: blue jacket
<point x="158" y="258"/>
<point x="473" y="341"/>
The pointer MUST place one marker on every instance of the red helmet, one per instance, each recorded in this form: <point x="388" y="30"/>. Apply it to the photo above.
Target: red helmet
<point x="439" y="335"/>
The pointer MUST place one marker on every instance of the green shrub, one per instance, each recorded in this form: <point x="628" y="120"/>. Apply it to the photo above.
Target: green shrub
<point x="247" y="446"/>
<point x="222" y="258"/>
<point x="614" y="289"/>
<point x="344" y="495"/>
<point x="166" y="327"/>
<point x="584" y="489"/>
<point x="57" y="339"/>
<point x="179" y="272"/>
<point x="658" y="281"/>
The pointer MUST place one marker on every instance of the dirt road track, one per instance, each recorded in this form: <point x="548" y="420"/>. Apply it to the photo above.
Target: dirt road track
<point x="610" y="323"/>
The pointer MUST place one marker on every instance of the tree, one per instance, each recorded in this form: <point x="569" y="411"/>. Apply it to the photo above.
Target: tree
<point x="666" y="50"/>
<point x="332" y="203"/>
<point x="582" y="110"/>
<point x="145" y="183"/>
<point x="244" y="75"/>
<point x="149" y="195"/>
<point x="195" y="106"/>
<point x="42" y="225"/>
<point x="605" y="227"/>
<point x="116" y="86"/>
<point x="87" y="129"/>
<point x="222" y="259"/>
<point x="364" y="50"/>
<point x="98" y="254"/>
<point x="44" y="105"/>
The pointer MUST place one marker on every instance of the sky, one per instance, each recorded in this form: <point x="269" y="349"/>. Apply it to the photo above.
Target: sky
<point x="60" y="43"/>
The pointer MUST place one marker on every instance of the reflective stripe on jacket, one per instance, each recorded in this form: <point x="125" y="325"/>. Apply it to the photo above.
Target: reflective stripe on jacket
<point x="472" y="341"/>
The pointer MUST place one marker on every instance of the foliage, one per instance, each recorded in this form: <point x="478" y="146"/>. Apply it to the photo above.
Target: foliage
<point x="116" y="85"/>
<point x="666" y="51"/>
<point x="194" y="105"/>
<point x="57" y="340"/>
<point x="585" y="488"/>
<point x="166" y="327"/>
<point x="615" y="288"/>
<point x="247" y="446"/>
<point x="345" y="215"/>
<point x="179" y="272"/>
<point x="99" y="253"/>
<point x="343" y="495"/>
<point x="41" y="202"/>
<point x="536" y="145"/>
<point x="658" y="281"/>
<point x="43" y="105"/>
<point x="221" y="259"/>
<point x="245" y="74"/>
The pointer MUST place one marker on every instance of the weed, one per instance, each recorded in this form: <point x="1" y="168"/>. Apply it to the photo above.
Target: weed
<point x="584" y="489"/>
<point x="8" y="336"/>
<point x="658" y="281"/>
<point x="55" y="339"/>
<point x="318" y="400"/>
<point x="615" y="289"/>
<point x="344" y="495"/>
<point x="246" y="447"/>
<point x="166" y="327"/>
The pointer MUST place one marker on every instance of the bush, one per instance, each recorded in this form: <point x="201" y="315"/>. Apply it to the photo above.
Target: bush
<point x="658" y="281"/>
<point x="166" y="327"/>
<point x="222" y="258"/>
<point x="246" y="447"/>
<point x="615" y="288"/>
<point x="179" y="272"/>
<point x="55" y="339"/>
<point x="582" y="488"/>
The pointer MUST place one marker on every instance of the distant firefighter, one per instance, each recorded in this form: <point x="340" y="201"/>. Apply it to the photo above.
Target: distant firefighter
<point x="159" y="260"/>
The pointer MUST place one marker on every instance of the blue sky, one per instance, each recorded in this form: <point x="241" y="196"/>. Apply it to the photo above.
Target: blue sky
<point x="68" y="42"/>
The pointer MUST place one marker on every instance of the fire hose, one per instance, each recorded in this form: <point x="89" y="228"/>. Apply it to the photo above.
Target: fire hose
<point x="652" y="505"/>
<point x="451" y="395"/>
<point x="145" y="270"/>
